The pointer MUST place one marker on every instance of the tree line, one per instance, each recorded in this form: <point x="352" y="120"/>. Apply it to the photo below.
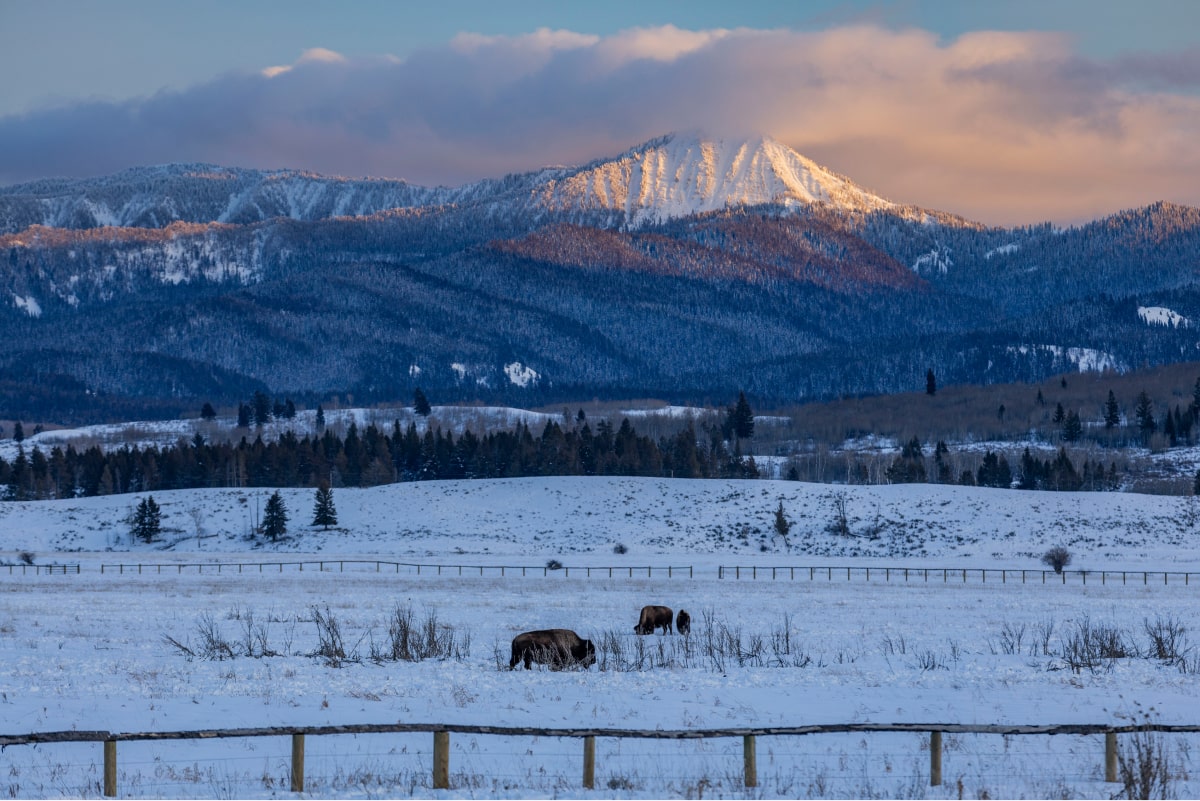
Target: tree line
<point x="374" y="456"/>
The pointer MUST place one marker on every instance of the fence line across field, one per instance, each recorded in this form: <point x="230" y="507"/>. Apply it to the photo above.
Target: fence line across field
<point x="440" y="767"/>
<point x="946" y="575"/>
<point x="339" y="565"/>
<point x="826" y="573"/>
<point x="38" y="570"/>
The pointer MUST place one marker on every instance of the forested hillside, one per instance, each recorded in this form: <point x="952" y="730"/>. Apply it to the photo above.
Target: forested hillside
<point x="494" y="294"/>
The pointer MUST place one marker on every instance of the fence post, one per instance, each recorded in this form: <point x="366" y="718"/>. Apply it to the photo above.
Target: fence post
<point x="935" y="759"/>
<point x="110" y="768"/>
<point x="750" y="760"/>
<point x="297" y="763"/>
<point x="589" y="762"/>
<point x="1110" y="756"/>
<point x="441" y="760"/>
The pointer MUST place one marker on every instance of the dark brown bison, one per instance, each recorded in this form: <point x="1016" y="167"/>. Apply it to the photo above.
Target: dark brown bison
<point x="683" y="622"/>
<point x="557" y="648"/>
<point x="654" y="617"/>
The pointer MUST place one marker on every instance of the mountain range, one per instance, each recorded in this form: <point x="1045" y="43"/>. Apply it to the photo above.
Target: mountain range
<point x="686" y="268"/>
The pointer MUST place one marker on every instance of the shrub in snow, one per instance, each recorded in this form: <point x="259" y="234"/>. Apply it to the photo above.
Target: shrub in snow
<point x="554" y="564"/>
<point x="1057" y="557"/>
<point x="620" y="548"/>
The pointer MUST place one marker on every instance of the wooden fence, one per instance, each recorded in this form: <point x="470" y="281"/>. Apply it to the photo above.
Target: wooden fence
<point x="827" y="573"/>
<point x="957" y="575"/>
<point x="38" y="570"/>
<point x="441" y="741"/>
<point x="379" y="566"/>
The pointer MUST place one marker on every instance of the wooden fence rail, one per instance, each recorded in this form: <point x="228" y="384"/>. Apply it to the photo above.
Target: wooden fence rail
<point x="441" y="740"/>
<point x="947" y="575"/>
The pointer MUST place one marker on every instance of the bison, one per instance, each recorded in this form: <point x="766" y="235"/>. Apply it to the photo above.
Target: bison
<point x="683" y="622"/>
<point x="654" y="617"/>
<point x="557" y="648"/>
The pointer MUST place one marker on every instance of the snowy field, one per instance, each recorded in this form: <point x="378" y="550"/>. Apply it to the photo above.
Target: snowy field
<point x="186" y="649"/>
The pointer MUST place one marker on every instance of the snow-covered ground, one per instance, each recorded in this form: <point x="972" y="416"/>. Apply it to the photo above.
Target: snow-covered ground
<point x="102" y="651"/>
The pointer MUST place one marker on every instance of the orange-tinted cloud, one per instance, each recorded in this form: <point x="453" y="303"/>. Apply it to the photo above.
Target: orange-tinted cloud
<point x="1006" y="128"/>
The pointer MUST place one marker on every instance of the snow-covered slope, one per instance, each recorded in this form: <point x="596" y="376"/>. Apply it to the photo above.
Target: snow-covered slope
<point x="154" y="197"/>
<point x="677" y="175"/>
<point x="580" y="520"/>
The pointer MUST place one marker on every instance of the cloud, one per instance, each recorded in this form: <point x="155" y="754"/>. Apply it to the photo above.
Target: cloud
<point x="314" y="55"/>
<point x="1003" y="127"/>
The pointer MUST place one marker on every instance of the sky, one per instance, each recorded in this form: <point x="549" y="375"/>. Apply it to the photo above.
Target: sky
<point x="1007" y="113"/>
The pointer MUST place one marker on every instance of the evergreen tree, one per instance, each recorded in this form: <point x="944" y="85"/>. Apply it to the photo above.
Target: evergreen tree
<point x="1059" y="414"/>
<point x="207" y="412"/>
<point x="1169" y="429"/>
<point x="320" y="418"/>
<point x="289" y="410"/>
<point x="1030" y="471"/>
<point x="942" y="464"/>
<point x="18" y="432"/>
<point x="1061" y="475"/>
<point x="275" y="518"/>
<point x="147" y="520"/>
<point x="1144" y="415"/>
<point x="18" y="477"/>
<point x="740" y="419"/>
<point x="1183" y="425"/>
<point x="994" y="472"/>
<point x="324" y="513"/>
<point x="1112" y="412"/>
<point x="262" y="408"/>
<point x="1072" y="427"/>
<point x="782" y="524"/>
<point x="243" y="416"/>
<point x="930" y="382"/>
<point x="909" y="468"/>
<point x="421" y="403"/>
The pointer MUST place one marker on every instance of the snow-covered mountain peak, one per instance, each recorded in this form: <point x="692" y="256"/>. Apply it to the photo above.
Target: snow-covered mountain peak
<point x="681" y="174"/>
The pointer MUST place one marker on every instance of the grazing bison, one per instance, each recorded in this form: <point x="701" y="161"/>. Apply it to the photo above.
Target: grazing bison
<point x="683" y="622"/>
<point x="557" y="648"/>
<point x="654" y="617"/>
